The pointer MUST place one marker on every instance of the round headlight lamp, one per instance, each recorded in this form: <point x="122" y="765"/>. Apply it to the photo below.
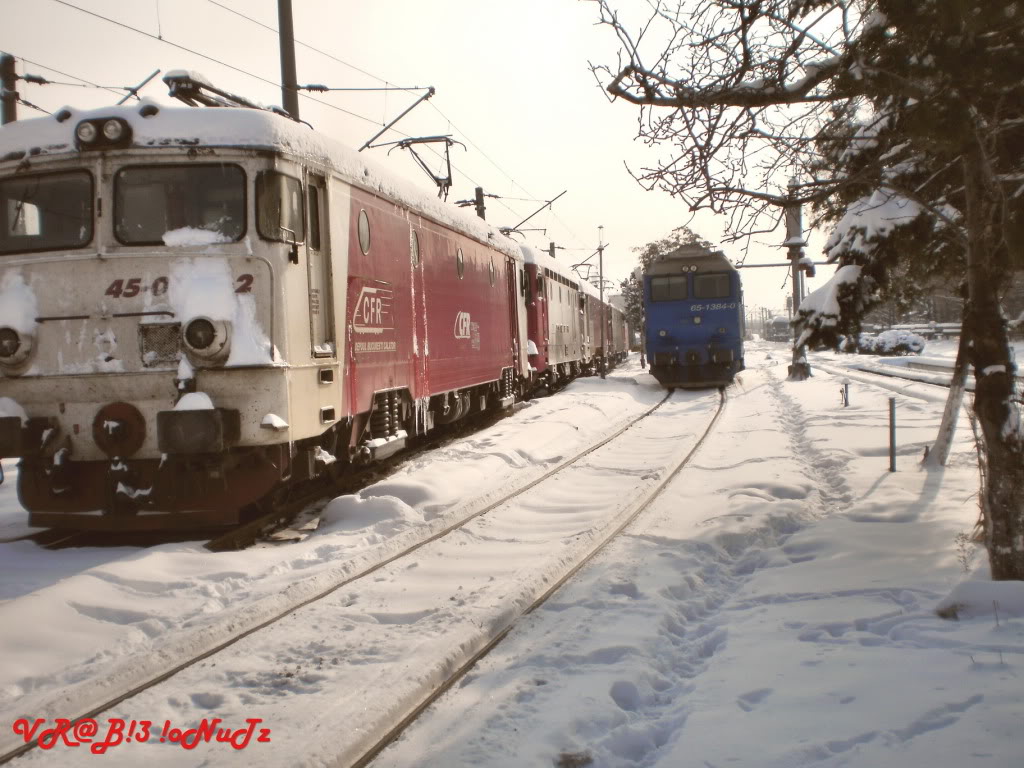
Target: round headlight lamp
<point x="112" y="129"/>
<point x="207" y="341"/>
<point x="200" y="334"/>
<point x="86" y="132"/>
<point x="663" y="333"/>
<point x="15" y="349"/>
<point x="10" y="341"/>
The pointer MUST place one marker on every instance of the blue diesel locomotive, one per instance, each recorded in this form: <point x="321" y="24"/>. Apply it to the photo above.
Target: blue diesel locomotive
<point x="693" y="309"/>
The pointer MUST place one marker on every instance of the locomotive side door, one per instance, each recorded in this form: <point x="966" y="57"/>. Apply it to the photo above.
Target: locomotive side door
<point x="513" y="314"/>
<point x="418" y="242"/>
<point x="318" y="261"/>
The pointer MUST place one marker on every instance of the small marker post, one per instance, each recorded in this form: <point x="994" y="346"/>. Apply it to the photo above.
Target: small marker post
<point x="892" y="434"/>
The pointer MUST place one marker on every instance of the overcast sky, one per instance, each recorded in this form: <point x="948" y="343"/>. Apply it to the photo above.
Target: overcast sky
<point x="512" y="83"/>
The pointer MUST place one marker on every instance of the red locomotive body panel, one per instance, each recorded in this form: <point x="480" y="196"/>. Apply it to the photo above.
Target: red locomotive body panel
<point x="417" y="320"/>
<point x="469" y="315"/>
<point x="379" y="335"/>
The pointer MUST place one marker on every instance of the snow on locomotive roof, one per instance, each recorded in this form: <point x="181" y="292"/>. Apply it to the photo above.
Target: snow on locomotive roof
<point x="541" y="259"/>
<point x="157" y="125"/>
<point x="686" y="256"/>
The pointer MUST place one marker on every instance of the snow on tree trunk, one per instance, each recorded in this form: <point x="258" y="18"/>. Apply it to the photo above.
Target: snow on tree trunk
<point x="939" y="453"/>
<point x="800" y="369"/>
<point x="1002" y="499"/>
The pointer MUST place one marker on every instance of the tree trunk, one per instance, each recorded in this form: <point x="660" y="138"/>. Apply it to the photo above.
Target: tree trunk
<point x="800" y="368"/>
<point x="997" y="412"/>
<point x="939" y="453"/>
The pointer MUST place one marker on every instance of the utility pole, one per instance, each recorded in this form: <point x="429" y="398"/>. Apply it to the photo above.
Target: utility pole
<point x="799" y="370"/>
<point x="551" y="250"/>
<point x="289" y="82"/>
<point x="481" y="209"/>
<point x="600" y="273"/>
<point x="8" y="89"/>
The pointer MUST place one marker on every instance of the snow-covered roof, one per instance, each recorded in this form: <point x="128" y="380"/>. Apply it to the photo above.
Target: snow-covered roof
<point x="157" y="125"/>
<point x="541" y="259"/>
<point x="686" y="256"/>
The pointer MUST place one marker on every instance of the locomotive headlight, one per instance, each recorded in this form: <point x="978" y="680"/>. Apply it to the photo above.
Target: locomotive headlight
<point x="200" y="334"/>
<point x="663" y="333"/>
<point x="9" y="342"/>
<point x="86" y="132"/>
<point x="696" y="321"/>
<point x="112" y="129"/>
<point x="721" y="331"/>
<point x="206" y="340"/>
<point x="100" y="133"/>
<point x="14" y="348"/>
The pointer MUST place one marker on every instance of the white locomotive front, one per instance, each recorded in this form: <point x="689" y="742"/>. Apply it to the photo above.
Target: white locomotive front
<point x="148" y="260"/>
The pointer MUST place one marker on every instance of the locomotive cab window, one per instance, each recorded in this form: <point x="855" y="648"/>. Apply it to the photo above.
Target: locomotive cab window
<point x="711" y="286"/>
<point x="279" y="209"/>
<point x="151" y="201"/>
<point x="668" y="288"/>
<point x="363" y="230"/>
<point x="45" y="212"/>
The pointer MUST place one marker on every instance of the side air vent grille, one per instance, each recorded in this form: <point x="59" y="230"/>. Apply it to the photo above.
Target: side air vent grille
<point x="160" y="343"/>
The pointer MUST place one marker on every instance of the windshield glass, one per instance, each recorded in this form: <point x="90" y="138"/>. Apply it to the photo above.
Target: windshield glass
<point x="711" y="286"/>
<point x="668" y="288"/>
<point x="198" y="203"/>
<point x="45" y="212"/>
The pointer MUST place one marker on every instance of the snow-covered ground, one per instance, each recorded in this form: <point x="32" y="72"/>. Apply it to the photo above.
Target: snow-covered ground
<point x="776" y="607"/>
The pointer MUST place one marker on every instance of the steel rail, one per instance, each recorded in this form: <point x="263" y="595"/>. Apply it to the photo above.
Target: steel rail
<point x="236" y="637"/>
<point x="642" y="502"/>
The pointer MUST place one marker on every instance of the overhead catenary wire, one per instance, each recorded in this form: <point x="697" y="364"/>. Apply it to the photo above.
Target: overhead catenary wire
<point x="362" y="71"/>
<point x="30" y="105"/>
<point x="23" y="60"/>
<point x="228" y="66"/>
<point x="161" y="39"/>
<point x="165" y="41"/>
<point x="468" y="140"/>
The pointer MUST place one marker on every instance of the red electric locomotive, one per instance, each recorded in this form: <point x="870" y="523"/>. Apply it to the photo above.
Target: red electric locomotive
<point x="200" y="305"/>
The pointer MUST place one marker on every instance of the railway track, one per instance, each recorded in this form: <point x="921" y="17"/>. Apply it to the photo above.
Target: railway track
<point x="48" y="538"/>
<point x="272" y="521"/>
<point x="936" y="376"/>
<point x="634" y="509"/>
<point x="168" y="663"/>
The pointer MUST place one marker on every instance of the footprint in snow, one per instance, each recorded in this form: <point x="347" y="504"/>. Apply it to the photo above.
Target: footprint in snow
<point x="749" y="700"/>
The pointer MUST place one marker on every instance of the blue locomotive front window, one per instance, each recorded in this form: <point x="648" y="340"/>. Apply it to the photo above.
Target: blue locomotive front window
<point x="668" y="288"/>
<point x="153" y="201"/>
<point x="711" y="286"/>
<point x="45" y="212"/>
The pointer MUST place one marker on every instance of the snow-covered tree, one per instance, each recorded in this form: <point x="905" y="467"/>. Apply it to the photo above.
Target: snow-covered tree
<point x="903" y="121"/>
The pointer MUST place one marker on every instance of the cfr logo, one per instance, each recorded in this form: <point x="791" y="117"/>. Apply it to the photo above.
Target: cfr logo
<point x="462" y="325"/>
<point x="372" y="312"/>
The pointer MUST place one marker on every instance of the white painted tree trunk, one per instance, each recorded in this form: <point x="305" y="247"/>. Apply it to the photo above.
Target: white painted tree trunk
<point x="939" y="452"/>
